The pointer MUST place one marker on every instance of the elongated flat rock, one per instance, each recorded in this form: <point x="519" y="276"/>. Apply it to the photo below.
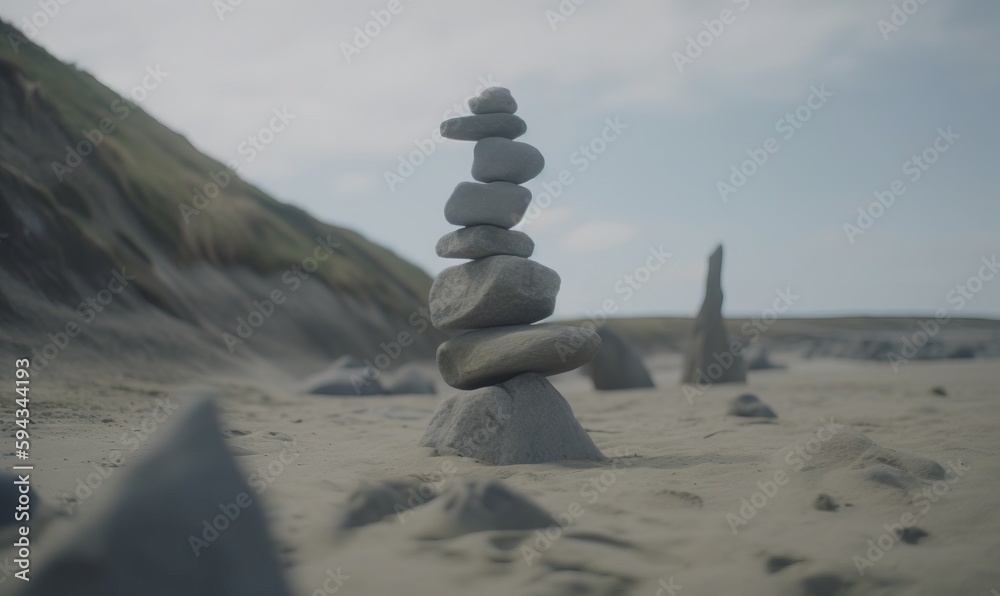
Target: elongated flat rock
<point x="496" y="159"/>
<point x="500" y="204"/>
<point x="493" y="100"/>
<point x="474" y="128"/>
<point x="522" y="421"/>
<point x="500" y="290"/>
<point x="477" y="242"/>
<point x="491" y="356"/>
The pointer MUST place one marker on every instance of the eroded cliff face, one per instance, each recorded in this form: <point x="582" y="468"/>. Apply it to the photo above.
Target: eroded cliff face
<point x="102" y="229"/>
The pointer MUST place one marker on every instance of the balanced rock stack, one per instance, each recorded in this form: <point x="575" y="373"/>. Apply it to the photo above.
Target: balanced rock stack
<point x="511" y="413"/>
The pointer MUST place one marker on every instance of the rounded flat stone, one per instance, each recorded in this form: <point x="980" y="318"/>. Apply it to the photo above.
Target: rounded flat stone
<point x="500" y="290"/>
<point x="486" y="357"/>
<point x="496" y="159"/>
<point x="500" y="204"/>
<point x="477" y="242"/>
<point x="493" y="100"/>
<point x="474" y="128"/>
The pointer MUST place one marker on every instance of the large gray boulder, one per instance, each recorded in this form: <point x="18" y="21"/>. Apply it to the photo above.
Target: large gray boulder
<point x="500" y="204"/>
<point x="183" y="521"/>
<point x="499" y="290"/>
<point x="496" y="159"/>
<point x="710" y="357"/>
<point x="522" y="421"/>
<point x="484" y="357"/>
<point x="617" y="366"/>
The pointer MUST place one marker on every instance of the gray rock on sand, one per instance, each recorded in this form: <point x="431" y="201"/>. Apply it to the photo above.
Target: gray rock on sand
<point x="149" y="538"/>
<point x="500" y="290"/>
<point x="617" y="365"/>
<point x="493" y="100"/>
<point x="749" y="405"/>
<point x="484" y="357"/>
<point x="345" y="376"/>
<point x="500" y="204"/>
<point x="709" y="358"/>
<point x="476" y="242"/>
<point x="825" y="502"/>
<point x="410" y="381"/>
<point x="522" y="421"/>
<point x="474" y="128"/>
<point x="373" y="501"/>
<point x="468" y="505"/>
<point x="496" y="159"/>
<point x="343" y="381"/>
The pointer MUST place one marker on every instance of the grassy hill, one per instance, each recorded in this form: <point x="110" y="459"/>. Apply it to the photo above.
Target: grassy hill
<point x="121" y="207"/>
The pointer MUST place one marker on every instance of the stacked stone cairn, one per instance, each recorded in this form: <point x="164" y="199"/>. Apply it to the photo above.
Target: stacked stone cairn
<point x="509" y="413"/>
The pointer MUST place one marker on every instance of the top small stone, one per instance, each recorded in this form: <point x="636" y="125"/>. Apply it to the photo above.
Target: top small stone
<point x="493" y="100"/>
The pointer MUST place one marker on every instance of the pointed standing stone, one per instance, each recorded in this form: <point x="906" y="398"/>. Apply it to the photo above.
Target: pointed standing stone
<point x="710" y="357"/>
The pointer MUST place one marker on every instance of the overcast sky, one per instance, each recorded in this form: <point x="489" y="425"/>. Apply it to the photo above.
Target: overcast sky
<point x="692" y="88"/>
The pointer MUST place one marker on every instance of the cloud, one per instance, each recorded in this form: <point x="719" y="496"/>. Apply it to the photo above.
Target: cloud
<point x="538" y="219"/>
<point x="597" y="235"/>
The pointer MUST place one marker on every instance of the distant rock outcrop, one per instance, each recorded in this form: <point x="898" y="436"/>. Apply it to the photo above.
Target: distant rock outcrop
<point x="617" y="365"/>
<point x="709" y="358"/>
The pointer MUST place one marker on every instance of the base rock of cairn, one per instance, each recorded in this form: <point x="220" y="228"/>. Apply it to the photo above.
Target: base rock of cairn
<point x="510" y="414"/>
<point x="522" y="421"/>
